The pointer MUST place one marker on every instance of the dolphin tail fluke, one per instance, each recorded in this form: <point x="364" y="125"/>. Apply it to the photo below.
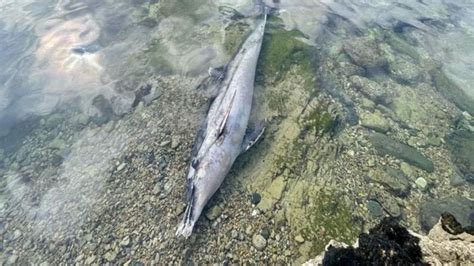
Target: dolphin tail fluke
<point x="185" y="228"/>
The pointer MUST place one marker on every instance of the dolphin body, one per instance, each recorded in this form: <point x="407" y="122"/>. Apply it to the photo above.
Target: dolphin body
<point x="225" y="134"/>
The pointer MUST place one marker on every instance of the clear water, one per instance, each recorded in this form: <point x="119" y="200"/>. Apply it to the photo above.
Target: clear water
<point x="368" y="108"/>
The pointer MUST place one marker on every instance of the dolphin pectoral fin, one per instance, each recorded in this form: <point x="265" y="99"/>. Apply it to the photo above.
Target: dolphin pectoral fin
<point x="252" y="137"/>
<point x="217" y="73"/>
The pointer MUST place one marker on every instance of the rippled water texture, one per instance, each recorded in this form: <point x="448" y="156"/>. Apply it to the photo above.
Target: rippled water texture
<point x="368" y="107"/>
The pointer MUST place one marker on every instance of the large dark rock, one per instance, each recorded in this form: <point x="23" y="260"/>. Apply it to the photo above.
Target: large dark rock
<point x="461" y="208"/>
<point x="386" y="145"/>
<point x="386" y="244"/>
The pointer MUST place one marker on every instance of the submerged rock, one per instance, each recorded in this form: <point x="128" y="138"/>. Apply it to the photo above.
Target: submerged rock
<point x="375" y="121"/>
<point x="452" y="92"/>
<point x="259" y="242"/>
<point x="365" y="53"/>
<point x="395" y="180"/>
<point x="370" y="89"/>
<point x="213" y="213"/>
<point x="404" y="71"/>
<point x="374" y="208"/>
<point x="459" y="207"/>
<point x="421" y="183"/>
<point x="387" y="145"/>
<point x="461" y="145"/>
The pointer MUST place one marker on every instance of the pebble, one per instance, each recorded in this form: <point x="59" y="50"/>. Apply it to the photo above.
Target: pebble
<point x="110" y="256"/>
<point x="121" y="167"/>
<point x="90" y="260"/>
<point x="125" y="241"/>
<point x="16" y="234"/>
<point x="374" y="208"/>
<point x="371" y="163"/>
<point x="407" y="170"/>
<point x="165" y="143"/>
<point x="421" y="183"/>
<point x="259" y="242"/>
<point x="175" y="142"/>
<point x="214" y="212"/>
<point x="12" y="259"/>
<point x="234" y="234"/>
<point x="255" y="198"/>
<point x="299" y="239"/>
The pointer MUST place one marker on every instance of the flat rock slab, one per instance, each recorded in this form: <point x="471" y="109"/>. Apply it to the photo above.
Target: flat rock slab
<point x="386" y="145"/>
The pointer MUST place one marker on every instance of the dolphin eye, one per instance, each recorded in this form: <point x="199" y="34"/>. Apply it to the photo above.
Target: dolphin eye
<point x="195" y="163"/>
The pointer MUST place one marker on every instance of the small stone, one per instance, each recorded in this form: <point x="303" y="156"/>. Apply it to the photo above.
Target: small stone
<point x="156" y="189"/>
<point x="434" y="141"/>
<point x="16" y="234"/>
<point x="374" y="208"/>
<point x="371" y="163"/>
<point x="259" y="242"/>
<point x="235" y="234"/>
<point x="407" y="170"/>
<point x="421" y="183"/>
<point x="375" y="121"/>
<point x="121" y="167"/>
<point x="110" y="256"/>
<point x="125" y="241"/>
<point x="255" y="198"/>
<point x="12" y="259"/>
<point x="53" y="121"/>
<point x="367" y="104"/>
<point x="457" y="180"/>
<point x="165" y="143"/>
<point x="248" y="230"/>
<point x="299" y="239"/>
<point x="265" y="232"/>
<point x="214" y="212"/>
<point x="175" y="142"/>
<point x="57" y="144"/>
<point x="81" y="120"/>
<point x="90" y="260"/>
<point x="351" y="153"/>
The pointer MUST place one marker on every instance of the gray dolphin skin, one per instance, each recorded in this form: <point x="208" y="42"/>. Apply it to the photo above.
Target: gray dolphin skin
<point x="224" y="133"/>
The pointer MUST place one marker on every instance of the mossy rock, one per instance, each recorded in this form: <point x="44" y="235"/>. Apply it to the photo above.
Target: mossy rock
<point x="280" y="50"/>
<point x="329" y="218"/>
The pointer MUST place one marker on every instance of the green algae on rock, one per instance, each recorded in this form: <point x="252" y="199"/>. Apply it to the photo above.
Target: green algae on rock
<point x="329" y="217"/>
<point x="280" y="50"/>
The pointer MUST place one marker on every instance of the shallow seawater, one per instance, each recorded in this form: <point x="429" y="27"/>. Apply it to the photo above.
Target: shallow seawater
<point x="368" y="110"/>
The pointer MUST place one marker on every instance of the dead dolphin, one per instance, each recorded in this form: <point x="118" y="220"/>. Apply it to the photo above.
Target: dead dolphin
<point x="225" y="134"/>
